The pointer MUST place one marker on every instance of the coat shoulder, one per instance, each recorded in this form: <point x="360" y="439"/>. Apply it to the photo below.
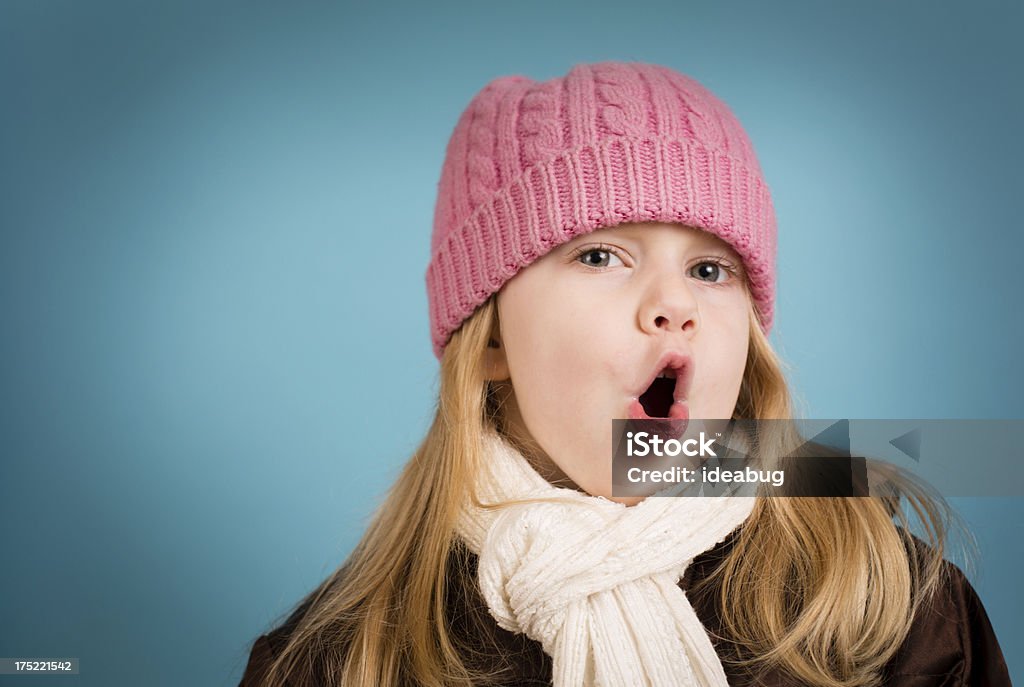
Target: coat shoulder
<point x="951" y="641"/>
<point x="506" y="658"/>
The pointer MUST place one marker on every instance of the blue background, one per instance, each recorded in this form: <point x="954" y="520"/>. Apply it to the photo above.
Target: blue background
<point x="215" y="224"/>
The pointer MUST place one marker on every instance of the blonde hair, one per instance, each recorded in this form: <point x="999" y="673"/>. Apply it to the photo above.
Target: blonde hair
<point x="824" y="589"/>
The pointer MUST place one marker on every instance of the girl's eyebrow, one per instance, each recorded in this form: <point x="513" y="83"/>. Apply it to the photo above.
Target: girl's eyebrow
<point x="698" y="242"/>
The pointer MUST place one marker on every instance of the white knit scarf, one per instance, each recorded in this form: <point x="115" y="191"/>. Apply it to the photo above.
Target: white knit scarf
<point x="595" y="581"/>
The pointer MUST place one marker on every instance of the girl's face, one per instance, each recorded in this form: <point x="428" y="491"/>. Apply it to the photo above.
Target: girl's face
<point x="585" y="328"/>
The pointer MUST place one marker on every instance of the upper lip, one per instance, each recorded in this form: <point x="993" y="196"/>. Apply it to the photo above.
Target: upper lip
<point x="683" y="367"/>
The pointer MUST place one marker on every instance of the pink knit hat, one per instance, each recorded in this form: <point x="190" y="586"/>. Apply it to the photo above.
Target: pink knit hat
<point x="531" y="165"/>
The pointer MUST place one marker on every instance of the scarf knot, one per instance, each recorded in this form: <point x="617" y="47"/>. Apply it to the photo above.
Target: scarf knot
<point x="594" y="581"/>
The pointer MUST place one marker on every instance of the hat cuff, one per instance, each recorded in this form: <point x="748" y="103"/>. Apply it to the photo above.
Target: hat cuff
<point x="617" y="181"/>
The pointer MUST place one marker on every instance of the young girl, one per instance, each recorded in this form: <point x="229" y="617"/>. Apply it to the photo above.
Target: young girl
<point x="592" y="233"/>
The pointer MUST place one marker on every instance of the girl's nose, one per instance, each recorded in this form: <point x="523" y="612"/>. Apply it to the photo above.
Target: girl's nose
<point x="669" y="305"/>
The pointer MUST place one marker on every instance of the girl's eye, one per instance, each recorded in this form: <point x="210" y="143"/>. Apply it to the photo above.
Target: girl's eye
<point x="598" y="257"/>
<point x="710" y="271"/>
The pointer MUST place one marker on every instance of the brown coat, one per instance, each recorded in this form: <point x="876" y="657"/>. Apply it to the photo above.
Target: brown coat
<point x="951" y="643"/>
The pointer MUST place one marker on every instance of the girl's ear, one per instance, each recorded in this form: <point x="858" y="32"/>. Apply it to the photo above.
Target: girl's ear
<point x="495" y="362"/>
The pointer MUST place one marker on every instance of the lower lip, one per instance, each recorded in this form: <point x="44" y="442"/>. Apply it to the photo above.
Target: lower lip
<point x="678" y="411"/>
<point x="676" y="422"/>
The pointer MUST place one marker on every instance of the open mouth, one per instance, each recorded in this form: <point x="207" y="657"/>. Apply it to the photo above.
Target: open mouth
<point x="658" y="399"/>
<point x="666" y="393"/>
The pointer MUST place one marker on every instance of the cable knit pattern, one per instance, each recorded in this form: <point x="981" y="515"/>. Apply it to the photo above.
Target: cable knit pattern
<point x="623" y="112"/>
<point x="540" y="130"/>
<point x="594" y="581"/>
<point x="531" y="165"/>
